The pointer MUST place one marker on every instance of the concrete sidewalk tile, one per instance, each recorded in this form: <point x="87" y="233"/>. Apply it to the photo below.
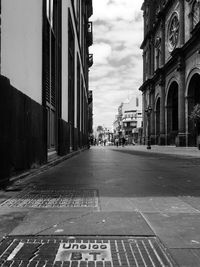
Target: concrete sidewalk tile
<point x="193" y="201"/>
<point x="186" y="257"/>
<point x="10" y="220"/>
<point x="116" y="204"/>
<point x="146" y="204"/>
<point x="162" y="205"/>
<point x="82" y="223"/>
<point x="176" y="230"/>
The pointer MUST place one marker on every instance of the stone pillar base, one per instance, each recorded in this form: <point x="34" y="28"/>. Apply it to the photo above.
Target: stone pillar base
<point x="198" y="142"/>
<point x="162" y="140"/>
<point x="181" y="139"/>
<point x="143" y="140"/>
<point x="153" y="139"/>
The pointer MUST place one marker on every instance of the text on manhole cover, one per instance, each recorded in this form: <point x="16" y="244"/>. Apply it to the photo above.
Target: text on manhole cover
<point x="83" y="252"/>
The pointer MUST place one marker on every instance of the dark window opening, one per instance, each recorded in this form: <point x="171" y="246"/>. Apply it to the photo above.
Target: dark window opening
<point x="78" y="98"/>
<point x="71" y="80"/>
<point x="78" y="16"/>
<point x="52" y="67"/>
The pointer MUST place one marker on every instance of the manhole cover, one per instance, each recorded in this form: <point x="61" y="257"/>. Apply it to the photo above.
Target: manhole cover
<point x="54" y="199"/>
<point x="83" y="252"/>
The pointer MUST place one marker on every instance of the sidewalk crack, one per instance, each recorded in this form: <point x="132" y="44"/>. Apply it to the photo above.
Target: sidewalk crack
<point x="63" y="221"/>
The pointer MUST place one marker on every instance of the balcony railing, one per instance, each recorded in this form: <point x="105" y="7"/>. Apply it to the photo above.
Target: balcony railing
<point x="90" y="34"/>
<point x="90" y="97"/>
<point x="90" y="60"/>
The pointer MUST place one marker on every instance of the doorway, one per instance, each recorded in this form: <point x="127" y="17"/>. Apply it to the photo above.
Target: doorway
<point x="193" y="99"/>
<point x="172" y="113"/>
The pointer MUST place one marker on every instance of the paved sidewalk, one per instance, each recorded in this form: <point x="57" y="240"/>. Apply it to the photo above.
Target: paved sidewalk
<point x="170" y="150"/>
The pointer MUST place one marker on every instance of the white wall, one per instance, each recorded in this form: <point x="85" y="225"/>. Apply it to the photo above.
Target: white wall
<point x="22" y="45"/>
<point x="65" y="6"/>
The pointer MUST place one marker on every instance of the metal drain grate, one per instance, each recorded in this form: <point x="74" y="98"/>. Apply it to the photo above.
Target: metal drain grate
<point x="51" y="198"/>
<point x="83" y="252"/>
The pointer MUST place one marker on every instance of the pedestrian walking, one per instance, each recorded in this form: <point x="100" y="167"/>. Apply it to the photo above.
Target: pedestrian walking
<point x="116" y="142"/>
<point x="123" y="141"/>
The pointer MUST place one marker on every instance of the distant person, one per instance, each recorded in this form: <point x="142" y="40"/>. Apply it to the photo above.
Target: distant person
<point x="117" y="142"/>
<point x="89" y="142"/>
<point x="123" y="141"/>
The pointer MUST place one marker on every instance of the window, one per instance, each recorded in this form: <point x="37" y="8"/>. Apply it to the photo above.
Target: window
<point x="78" y="15"/>
<point x="196" y="13"/>
<point x="137" y="101"/>
<point x="147" y="17"/>
<point x="71" y="93"/>
<point x="78" y="93"/>
<point x="51" y="66"/>
<point x="133" y="124"/>
<point x="146" y="64"/>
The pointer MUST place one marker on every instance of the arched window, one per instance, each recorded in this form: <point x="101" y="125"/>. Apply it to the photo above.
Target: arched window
<point x="196" y="13"/>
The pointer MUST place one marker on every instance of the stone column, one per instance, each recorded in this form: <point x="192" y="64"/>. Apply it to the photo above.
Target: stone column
<point x="181" y="138"/>
<point x="163" y="133"/>
<point x="152" y="57"/>
<point x="162" y="137"/>
<point x="182" y="22"/>
<point x="162" y="41"/>
<point x="144" y="58"/>
<point x="152" y="117"/>
<point x="144" y="105"/>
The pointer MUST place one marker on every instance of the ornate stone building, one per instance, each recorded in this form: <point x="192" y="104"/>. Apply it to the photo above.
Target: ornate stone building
<point x="171" y="78"/>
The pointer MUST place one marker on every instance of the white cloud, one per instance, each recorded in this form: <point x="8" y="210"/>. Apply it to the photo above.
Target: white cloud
<point x="116" y="9"/>
<point x="101" y="52"/>
<point x="117" y="69"/>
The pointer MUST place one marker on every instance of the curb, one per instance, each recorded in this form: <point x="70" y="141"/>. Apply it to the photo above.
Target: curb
<point x="170" y="153"/>
<point x="45" y="167"/>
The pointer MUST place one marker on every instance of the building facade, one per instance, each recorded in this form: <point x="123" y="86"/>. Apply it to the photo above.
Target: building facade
<point x="90" y="113"/>
<point x="129" y="119"/>
<point x="171" y="76"/>
<point x="44" y="80"/>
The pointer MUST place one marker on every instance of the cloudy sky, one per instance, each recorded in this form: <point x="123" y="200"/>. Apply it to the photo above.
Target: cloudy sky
<point x="117" y="70"/>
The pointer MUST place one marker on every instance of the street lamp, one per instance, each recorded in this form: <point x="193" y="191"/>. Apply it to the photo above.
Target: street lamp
<point x="148" y="112"/>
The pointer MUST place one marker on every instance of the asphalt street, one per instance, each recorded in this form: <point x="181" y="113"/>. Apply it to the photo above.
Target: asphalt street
<point x="111" y="192"/>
